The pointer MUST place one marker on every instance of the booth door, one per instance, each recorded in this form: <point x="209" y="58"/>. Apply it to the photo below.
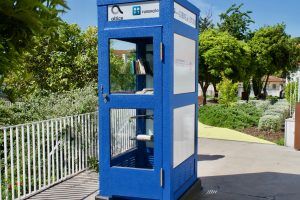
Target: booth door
<point x="130" y="92"/>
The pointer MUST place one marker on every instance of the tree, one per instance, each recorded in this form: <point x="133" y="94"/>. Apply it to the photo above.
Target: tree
<point x="55" y="64"/>
<point x="221" y="54"/>
<point x="206" y="22"/>
<point x="236" y="22"/>
<point x="20" y="21"/>
<point x="274" y="52"/>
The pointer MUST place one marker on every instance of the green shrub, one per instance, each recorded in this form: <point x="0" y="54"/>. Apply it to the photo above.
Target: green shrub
<point x="233" y="116"/>
<point x="283" y="112"/>
<point x="227" y="91"/>
<point x="282" y="101"/>
<point x="291" y="91"/>
<point x="272" y="99"/>
<point x="281" y="109"/>
<point x="270" y="123"/>
<point x="275" y="113"/>
<point x="51" y="106"/>
<point x="241" y="102"/>
<point x="280" y="142"/>
<point x="261" y="105"/>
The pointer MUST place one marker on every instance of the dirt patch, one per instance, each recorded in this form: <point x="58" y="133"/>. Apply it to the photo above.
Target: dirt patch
<point x="276" y="137"/>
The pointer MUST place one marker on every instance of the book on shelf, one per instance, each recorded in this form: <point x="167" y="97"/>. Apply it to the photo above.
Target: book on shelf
<point x="146" y="91"/>
<point x="140" y="67"/>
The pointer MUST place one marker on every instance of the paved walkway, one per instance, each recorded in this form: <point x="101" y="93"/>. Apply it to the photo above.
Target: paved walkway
<point x="229" y="170"/>
<point x="211" y="132"/>
<point x="232" y="170"/>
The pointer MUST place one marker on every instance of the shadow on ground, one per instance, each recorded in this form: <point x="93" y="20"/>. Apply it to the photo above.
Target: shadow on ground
<point x="202" y="157"/>
<point x="254" y="186"/>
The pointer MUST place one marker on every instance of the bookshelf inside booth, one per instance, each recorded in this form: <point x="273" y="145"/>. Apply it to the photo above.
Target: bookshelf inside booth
<point x="131" y="66"/>
<point x="132" y="73"/>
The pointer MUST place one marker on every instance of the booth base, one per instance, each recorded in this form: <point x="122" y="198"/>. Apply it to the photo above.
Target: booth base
<point x="105" y="198"/>
<point x="194" y="190"/>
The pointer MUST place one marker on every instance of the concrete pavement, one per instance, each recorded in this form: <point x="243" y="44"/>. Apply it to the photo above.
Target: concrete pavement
<point x="231" y="170"/>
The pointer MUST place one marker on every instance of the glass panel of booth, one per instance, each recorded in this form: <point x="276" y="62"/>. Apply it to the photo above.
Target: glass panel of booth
<point x="184" y="64"/>
<point x="184" y="134"/>
<point x="132" y="138"/>
<point x="131" y="66"/>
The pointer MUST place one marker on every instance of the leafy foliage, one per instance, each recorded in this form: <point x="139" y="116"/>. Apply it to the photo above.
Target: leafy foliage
<point x="54" y="105"/>
<point x="236" y="22"/>
<point x="120" y="76"/>
<point x="227" y="91"/>
<point x="220" y="53"/>
<point x="270" y="123"/>
<point x="291" y="92"/>
<point x="274" y="116"/>
<point x="274" y="52"/>
<point x="273" y="99"/>
<point x="261" y="105"/>
<point x="58" y="64"/>
<point x="234" y="116"/>
<point x="206" y="22"/>
<point x="20" y="21"/>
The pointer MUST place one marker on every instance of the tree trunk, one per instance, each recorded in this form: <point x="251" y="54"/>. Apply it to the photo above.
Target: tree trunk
<point x="204" y="98"/>
<point x="246" y="90"/>
<point x="215" y="90"/>
<point x="257" y="86"/>
<point x="204" y="88"/>
<point x="265" y="87"/>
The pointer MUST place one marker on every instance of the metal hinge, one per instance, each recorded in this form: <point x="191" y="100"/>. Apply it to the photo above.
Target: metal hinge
<point x="161" y="51"/>
<point x="161" y="177"/>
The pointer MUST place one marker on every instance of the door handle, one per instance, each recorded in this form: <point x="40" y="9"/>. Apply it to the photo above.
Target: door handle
<point x="105" y="98"/>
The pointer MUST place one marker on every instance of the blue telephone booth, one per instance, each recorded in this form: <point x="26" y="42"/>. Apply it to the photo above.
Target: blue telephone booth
<point x="148" y="93"/>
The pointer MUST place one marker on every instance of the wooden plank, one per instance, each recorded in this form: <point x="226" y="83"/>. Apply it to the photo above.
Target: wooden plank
<point x="82" y="186"/>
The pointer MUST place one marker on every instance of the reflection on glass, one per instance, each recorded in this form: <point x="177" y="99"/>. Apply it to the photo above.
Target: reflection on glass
<point x="132" y="138"/>
<point x="131" y="66"/>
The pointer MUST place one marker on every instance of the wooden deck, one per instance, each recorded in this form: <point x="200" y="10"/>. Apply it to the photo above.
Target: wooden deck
<point x="82" y="186"/>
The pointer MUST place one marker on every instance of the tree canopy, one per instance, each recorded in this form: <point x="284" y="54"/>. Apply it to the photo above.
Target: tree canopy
<point x="236" y="22"/>
<point x="62" y="63"/>
<point x="274" y="52"/>
<point x="221" y="54"/>
<point x="20" y="21"/>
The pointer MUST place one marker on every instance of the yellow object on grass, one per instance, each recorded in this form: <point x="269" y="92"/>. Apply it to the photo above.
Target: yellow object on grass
<point x="211" y="132"/>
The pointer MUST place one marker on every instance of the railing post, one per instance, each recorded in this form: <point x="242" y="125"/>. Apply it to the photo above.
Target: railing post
<point x="297" y="127"/>
<point x="24" y="162"/>
<point x="12" y="164"/>
<point x="18" y="162"/>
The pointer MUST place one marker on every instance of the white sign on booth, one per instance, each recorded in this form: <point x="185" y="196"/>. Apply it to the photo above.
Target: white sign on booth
<point x="184" y="15"/>
<point x="139" y="10"/>
<point x="184" y="65"/>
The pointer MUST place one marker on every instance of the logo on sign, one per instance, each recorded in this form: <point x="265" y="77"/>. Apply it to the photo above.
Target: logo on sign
<point x="116" y="10"/>
<point x="136" y="10"/>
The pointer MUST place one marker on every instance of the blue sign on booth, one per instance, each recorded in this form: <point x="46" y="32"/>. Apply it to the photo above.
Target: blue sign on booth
<point x="148" y="93"/>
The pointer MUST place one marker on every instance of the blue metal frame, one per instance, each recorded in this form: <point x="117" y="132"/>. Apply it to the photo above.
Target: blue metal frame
<point x="176" y="180"/>
<point x="137" y="181"/>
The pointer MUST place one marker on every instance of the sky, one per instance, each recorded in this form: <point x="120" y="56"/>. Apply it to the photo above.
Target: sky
<point x="265" y="12"/>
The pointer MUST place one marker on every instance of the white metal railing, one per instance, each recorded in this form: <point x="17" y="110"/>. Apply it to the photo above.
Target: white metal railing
<point x="9" y="104"/>
<point x="123" y="130"/>
<point x="36" y="155"/>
